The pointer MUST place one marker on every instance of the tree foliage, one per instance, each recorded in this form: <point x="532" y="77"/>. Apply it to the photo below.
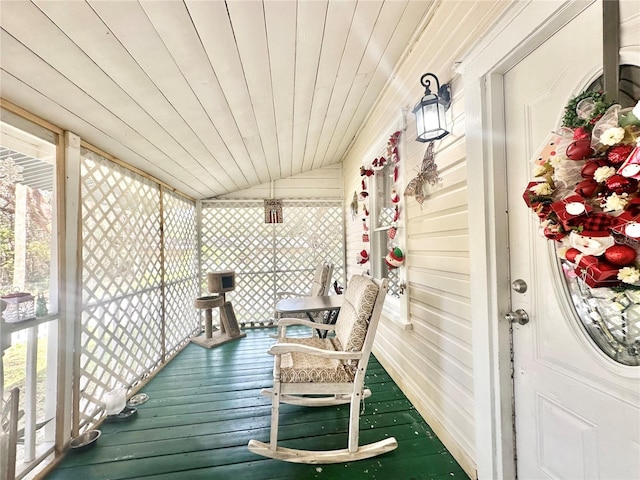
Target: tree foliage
<point x="38" y="239"/>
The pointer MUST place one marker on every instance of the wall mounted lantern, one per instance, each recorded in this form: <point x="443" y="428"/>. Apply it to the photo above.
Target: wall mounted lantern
<point x="431" y="123"/>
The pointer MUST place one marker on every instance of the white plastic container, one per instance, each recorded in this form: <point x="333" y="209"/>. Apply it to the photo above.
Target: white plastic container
<point x="115" y="401"/>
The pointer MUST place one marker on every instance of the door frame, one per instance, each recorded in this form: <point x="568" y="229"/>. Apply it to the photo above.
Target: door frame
<point x="521" y="29"/>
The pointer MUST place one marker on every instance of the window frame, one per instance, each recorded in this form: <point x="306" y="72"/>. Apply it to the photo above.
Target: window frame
<point x="396" y="305"/>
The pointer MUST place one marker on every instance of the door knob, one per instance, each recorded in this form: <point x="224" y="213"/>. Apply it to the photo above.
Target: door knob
<point x="519" y="316"/>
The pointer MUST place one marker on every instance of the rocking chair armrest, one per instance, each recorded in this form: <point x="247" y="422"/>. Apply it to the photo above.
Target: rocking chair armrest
<point x="287" y="322"/>
<point x="282" y="348"/>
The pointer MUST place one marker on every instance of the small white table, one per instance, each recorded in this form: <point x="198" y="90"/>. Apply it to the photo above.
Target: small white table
<point x="309" y="305"/>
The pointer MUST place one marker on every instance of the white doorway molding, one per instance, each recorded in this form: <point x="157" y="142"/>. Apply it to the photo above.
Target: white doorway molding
<point x="521" y="29"/>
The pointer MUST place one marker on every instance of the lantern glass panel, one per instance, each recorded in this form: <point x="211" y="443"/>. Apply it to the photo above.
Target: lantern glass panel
<point x="431" y="123"/>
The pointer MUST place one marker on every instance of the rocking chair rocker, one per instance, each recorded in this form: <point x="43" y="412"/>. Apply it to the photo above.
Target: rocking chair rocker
<point x="332" y="369"/>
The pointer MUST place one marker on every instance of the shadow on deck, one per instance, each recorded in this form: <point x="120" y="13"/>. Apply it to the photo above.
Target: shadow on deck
<point x="206" y="405"/>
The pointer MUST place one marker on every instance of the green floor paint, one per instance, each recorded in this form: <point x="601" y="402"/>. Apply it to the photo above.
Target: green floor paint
<point x="206" y="405"/>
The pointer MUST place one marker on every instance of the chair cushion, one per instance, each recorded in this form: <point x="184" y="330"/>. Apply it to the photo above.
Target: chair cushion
<point x="320" y="279"/>
<point x="353" y="319"/>
<point x="296" y="367"/>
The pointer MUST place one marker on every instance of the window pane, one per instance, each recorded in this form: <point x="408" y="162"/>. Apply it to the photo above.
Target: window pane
<point x="27" y="179"/>
<point x="385" y="209"/>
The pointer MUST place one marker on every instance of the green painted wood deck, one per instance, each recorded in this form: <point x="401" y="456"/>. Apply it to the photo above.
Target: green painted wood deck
<point x="206" y="405"/>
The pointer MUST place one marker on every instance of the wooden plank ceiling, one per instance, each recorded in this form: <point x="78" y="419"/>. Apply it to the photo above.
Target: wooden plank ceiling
<point x="210" y="97"/>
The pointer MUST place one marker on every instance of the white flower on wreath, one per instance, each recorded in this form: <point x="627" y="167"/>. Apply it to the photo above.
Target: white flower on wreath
<point x="615" y="202"/>
<point x="603" y="173"/>
<point x="542" y="188"/>
<point x="629" y="275"/>
<point x="611" y="136"/>
<point x="539" y="170"/>
<point x="555" y="161"/>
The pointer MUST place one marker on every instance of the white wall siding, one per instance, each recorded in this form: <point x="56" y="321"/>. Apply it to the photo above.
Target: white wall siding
<point x="432" y="361"/>
<point x="320" y="183"/>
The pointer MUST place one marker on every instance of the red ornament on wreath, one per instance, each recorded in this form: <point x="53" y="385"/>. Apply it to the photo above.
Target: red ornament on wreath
<point x="580" y="149"/>
<point x="572" y="255"/>
<point x="589" y="168"/>
<point x="618" y="154"/>
<point x="587" y="188"/>
<point x="619" y="184"/>
<point x="620" y="255"/>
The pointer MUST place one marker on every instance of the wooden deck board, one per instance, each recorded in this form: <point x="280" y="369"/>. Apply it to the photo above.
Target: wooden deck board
<point x="206" y="405"/>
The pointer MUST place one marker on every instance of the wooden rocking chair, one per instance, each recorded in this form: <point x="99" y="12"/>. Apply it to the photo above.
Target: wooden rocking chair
<point x="332" y="369"/>
<point x="319" y="285"/>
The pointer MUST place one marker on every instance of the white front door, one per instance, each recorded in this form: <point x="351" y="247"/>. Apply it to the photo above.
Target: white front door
<point x="577" y="411"/>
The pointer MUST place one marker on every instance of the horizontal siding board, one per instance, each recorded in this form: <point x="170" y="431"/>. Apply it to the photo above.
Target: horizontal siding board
<point x="448" y="243"/>
<point x="442" y="263"/>
<point x="414" y="357"/>
<point x="442" y="221"/>
<point x="459" y="286"/>
<point x="443" y="349"/>
<point x="443" y="323"/>
<point x="456" y="306"/>
<point x="436" y="391"/>
<point x="443" y="200"/>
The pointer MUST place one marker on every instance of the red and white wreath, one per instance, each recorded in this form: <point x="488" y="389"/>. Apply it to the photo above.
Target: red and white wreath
<point x="586" y="190"/>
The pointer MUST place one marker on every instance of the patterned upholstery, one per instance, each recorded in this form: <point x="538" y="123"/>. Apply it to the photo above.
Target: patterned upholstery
<point x="353" y="319"/>
<point x="351" y="329"/>
<point x="320" y="279"/>
<point x="298" y="367"/>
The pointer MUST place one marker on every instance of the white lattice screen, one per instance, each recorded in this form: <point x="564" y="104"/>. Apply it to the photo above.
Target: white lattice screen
<point x="180" y="270"/>
<point x="127" y="305"/>
<point x="268" y="258"/>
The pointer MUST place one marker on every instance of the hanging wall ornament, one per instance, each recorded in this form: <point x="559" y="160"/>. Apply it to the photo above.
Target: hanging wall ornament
<point x="428" y="174"/>
<point x="354" y="205"/>
<point x="395" y="198"/>
<point x="272" y="210"/>
<point x="362" y="257"/>
<point x="394" y="258"/>
<point x="365" y="172"/>
<point x="379" y="163"/>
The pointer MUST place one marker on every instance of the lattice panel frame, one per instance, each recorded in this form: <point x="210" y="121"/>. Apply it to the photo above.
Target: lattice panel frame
<point x="181" y="274"/>
<point x="268" y="258"/>
<point x="121" y="280"/>
<point x="140" y="272"/>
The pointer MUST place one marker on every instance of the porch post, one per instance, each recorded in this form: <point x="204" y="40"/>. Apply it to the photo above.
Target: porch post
<point x="70" y="301"/>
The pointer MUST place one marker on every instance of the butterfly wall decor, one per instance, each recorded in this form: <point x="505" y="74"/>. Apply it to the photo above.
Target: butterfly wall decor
<point x="428" y="173"/>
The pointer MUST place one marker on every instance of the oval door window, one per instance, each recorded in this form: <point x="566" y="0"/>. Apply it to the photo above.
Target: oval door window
<point x="608" y="309"/>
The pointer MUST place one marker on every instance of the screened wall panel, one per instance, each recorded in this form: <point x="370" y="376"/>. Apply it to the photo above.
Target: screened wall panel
<point x="135" y="307"/>
<point x="268" y="258"/>
<point x="180" y="240"/>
